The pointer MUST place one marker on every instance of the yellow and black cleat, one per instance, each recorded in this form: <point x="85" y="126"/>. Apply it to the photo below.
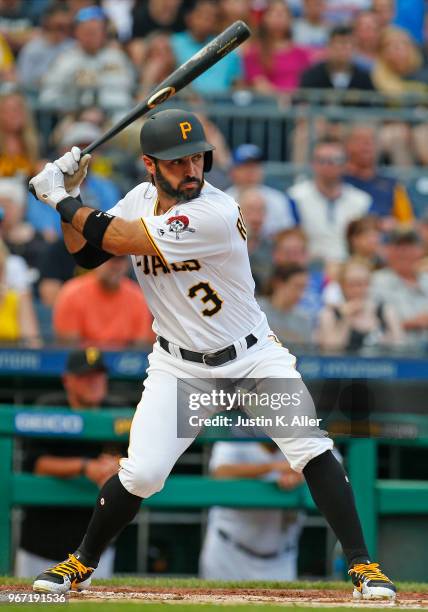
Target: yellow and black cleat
<point x="67" y="575"/>
<point x="370" y="583"/>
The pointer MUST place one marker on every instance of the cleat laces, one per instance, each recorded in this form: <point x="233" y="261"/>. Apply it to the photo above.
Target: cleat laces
<point x="370" y="571"/>
<point x="71" y="566"/>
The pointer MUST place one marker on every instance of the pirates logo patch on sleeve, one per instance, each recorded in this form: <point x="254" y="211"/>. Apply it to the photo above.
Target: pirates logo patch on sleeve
<point x="179" y="224"/>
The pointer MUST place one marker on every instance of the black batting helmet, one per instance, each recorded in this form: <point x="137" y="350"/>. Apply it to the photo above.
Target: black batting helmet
<point x="173" y="133"/>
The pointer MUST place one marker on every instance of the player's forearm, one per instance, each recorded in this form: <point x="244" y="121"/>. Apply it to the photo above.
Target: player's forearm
<point x="107" y="232"/>
<point x="74" y="241"/>
<point x="243" y="470"/>
<point x="61" y="467"/>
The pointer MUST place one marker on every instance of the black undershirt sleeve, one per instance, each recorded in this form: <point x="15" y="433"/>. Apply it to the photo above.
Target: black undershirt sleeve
<point x="90" y="257"/>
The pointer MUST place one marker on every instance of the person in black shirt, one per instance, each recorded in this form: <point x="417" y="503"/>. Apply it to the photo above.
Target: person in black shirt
<point x="338" y="71"/>
<point x="85" y="386"/>
<point x="57" y="267"/>
<point x="165" y="15"/>
<point x="344" y="84"/>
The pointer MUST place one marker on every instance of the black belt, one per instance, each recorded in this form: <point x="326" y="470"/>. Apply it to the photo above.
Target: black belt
<point x="211" y="359"/>
<point x="226" y="537"/>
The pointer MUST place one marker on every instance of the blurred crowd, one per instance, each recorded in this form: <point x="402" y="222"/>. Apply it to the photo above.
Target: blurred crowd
<point x="340" y="257"/>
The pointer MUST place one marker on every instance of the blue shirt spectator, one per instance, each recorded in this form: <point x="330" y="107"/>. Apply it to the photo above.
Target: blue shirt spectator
<point x="201" y="24"/>
<point x="410" y="15"/>
<point x="389" y="196"/>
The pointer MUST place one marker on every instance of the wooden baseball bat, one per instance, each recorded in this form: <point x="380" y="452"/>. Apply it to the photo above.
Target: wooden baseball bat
<point x="209" y="55"/>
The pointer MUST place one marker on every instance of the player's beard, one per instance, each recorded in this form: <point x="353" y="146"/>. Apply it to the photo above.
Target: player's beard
<point x="180" y="194"/>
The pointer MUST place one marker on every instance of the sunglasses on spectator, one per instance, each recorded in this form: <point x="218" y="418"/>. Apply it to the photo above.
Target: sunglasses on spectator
<point x="336" y="160"/>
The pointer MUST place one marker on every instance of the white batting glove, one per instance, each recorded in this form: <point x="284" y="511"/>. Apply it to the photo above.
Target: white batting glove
<point x="74" y="168"/>
<point x="49" y="185"/>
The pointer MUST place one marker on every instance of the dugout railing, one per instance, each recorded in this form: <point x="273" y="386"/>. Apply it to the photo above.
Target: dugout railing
<point x="375" y="497"/>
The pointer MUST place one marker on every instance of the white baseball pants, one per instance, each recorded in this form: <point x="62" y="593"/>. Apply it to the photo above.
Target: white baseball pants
<point x="154" y="446"/>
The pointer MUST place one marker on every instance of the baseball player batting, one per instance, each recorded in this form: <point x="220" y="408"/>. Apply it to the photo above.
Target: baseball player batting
<point x="187" y="242"/>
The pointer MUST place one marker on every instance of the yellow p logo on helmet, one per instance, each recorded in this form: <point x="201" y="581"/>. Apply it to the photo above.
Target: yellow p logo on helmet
<point x="92" y="354"/>
<point x="185" y="127"/>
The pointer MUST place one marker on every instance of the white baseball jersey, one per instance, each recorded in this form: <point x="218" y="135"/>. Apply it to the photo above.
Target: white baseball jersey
<point x="199" y="286"/>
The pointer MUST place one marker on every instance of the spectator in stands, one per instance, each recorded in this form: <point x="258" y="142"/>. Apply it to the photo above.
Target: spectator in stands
<point x="363" y="239"/>
<point x="57" y="267"/>
<point x="423" y="232"/>
<point x="397" y="73"/>
<point x="326" y="204"/>
<point x="19" y="150"/>
<point x="202" y="25"/>
<point x="219" y="173"/>
<point x="157" y="62"/>
<point x="36" y="57"/>
<point x="96" y="191"/>
<point x="311" y="30"/>
<point x="385" y="12"/>
<point x="257" y="544"/>
<point x="233" y="10"/>
<point x="166" y="15"/>
<point x="85" y="388"/>
<point x="103" y="307"/>
<point x="94" y="71"/>
<point x="18" y="323"/>
<point x="398" y="61"/>
<point x="120" y="18"/>
<point x="7" y="61"/>
<point x="253" y="209"/>
<point x="389" y="197"/>
<point x="357" y="321"/>
<point x="403" y="286"/>
<point x="291" y="247"/>
<point x="247" y="171"/>
<point x="366" y="39"/>
<point x="410" y="15"/>
<point x="287" y="318"/>
<point x="343" y="12"/>
<point x="20" y="237"/>
<point x="273" y="63"/>
<point x="338" y="71"/>
<point x="17" y="20"/>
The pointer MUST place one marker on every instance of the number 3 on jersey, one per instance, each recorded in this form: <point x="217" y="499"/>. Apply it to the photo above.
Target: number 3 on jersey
<point x="206" y="294"/>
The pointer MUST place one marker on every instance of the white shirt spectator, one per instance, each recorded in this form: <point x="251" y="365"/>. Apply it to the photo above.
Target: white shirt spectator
<point x="77" y="78"/>
<point x="18" y="275"/>
<point x="36" y="57"/>
<point x="408" y="300"/>
<point x="324" y="221"/>
<point x="278" y="210"/>
<point x="309" y="35"/>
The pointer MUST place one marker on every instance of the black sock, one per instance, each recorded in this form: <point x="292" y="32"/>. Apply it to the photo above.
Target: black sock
<point x="333" y="495"/>
<point x="115" y="508"/>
